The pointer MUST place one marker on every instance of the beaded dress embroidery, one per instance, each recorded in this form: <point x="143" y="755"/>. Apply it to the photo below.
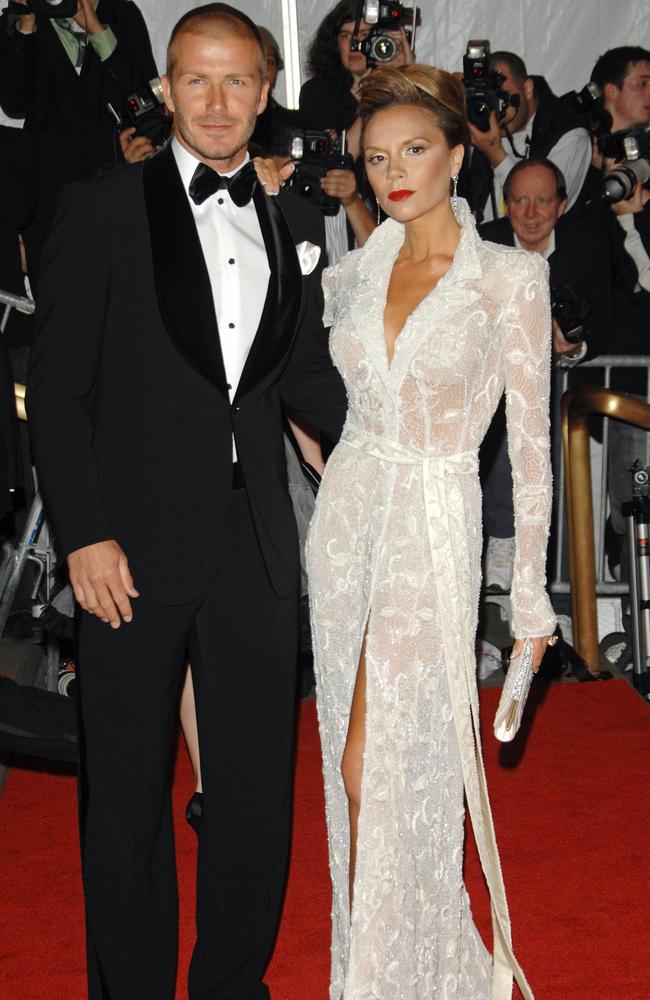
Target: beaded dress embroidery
<point x="394" y="549"/>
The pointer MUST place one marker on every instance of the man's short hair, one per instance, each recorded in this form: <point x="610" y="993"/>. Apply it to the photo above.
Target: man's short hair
<point x="516" y="65"/>
<point x="615" y="64"/>
<point x="216" y="20"/>
<point x="537" y="161"/>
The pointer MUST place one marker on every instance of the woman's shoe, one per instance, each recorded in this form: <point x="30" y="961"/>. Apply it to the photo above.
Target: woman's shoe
<point x="194" y="811"/>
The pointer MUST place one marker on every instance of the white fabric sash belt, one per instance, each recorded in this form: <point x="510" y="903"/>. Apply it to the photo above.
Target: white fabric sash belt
<point x="446" y="524"/>
<point x="394" y="451"/>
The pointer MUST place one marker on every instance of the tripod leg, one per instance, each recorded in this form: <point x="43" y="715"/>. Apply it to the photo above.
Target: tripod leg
<point x="640" y="675"/>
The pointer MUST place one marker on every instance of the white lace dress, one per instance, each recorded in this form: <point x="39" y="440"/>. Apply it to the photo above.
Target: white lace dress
<point x="394" y="548"/>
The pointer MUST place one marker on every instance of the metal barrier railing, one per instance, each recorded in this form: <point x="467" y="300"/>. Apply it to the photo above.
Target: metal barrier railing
<point x="577" y="406"/>
<point x="18" y="302"/>
<point x="33" y="547"/>
<point x="605" y="586"/>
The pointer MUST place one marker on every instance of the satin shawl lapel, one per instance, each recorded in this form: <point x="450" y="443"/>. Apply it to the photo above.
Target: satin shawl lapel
<point x="283" y="299"/>
<point x="181" y="275"/>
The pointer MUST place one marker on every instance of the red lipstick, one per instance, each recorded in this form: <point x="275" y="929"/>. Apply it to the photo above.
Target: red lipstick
<point x="400" y="195"/>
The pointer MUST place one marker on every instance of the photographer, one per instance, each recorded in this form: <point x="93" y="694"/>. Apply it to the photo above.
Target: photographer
<point x="623" y="74"/>
<point x="581" y="290"/>
<point x="329" y="101"/>
<point x="276" y="120"/>
<point x="60" y="74"/>
<point x="538" y="124"/>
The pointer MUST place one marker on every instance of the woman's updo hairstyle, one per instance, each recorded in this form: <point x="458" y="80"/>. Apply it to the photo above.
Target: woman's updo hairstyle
<point x="420" y="86"/>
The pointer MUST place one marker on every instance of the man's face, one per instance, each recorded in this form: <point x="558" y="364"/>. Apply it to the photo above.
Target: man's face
<point x="216" y="91"/>
<point x="516" y="118"/>
<point x="533" y="206"/>
<point x="630" y="103"/>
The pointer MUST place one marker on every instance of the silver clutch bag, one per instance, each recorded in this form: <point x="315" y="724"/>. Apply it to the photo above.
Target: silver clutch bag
<point x="515" y="692"/>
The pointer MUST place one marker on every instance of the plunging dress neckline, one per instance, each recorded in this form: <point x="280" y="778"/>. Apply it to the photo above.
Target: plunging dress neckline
<point x="392" y="260"/>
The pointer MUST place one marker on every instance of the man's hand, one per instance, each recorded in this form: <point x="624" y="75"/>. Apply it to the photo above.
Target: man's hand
<point x="272" y="172"/>
<point x="562" y="346"/>
<point x="135" y="147"/>
<point x="102" y="582"/>
<point x="26" y="22"/>
<point x="633" y="205"/>
<point x="341" y="184"/>
<point x="489" y="142"/>
<point x="87" y="19"/>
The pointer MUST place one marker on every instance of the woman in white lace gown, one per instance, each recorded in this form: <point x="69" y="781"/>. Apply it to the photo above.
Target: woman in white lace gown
<point x="428" y="326"/>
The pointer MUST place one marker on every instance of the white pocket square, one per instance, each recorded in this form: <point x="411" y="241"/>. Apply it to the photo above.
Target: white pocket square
<point x="308" y="256"/>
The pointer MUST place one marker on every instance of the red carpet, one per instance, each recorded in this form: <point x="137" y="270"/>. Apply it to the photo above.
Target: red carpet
<point x="572" y="820"/>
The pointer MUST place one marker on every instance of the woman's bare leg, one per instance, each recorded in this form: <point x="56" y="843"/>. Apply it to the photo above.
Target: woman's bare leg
<point x="189" y="726"/>
<point x="352" y="763"/>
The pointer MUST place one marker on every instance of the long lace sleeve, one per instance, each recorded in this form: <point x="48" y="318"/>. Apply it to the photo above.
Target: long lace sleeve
<point x="527" y="353"/>
<point x="330" y="282"/>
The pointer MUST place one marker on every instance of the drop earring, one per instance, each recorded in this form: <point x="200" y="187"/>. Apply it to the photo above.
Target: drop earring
<point x="454" y="197"/>
<point x="378" y="213"/>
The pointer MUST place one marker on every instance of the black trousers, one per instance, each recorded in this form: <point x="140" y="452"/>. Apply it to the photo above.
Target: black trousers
<point x="241" y="640"/>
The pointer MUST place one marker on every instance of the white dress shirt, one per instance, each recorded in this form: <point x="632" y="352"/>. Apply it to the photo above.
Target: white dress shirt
<point x="336" y="236"/>
<point x="571" y="153"/>
<point x="633" y="245"/>
<point x="235" y="256"/>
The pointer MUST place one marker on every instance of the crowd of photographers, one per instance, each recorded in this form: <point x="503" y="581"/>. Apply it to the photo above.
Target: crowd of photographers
<point x="567" y="177"/>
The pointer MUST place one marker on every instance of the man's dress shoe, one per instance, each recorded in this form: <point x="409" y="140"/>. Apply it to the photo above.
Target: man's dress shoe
<point x="194" y="811"/>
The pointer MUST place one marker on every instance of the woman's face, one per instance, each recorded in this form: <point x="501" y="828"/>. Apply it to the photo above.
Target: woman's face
<point x="408" y="161"/>
<point x="271" y="66"/>
<point x="354" y="62"/>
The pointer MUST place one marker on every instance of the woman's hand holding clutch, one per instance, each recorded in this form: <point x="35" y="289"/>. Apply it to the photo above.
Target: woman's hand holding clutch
<point x="539" y="648"/>
<point x="525" y="661"/>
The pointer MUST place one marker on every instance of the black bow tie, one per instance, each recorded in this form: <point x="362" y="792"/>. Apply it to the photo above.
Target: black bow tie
<point x="240" y="186"/>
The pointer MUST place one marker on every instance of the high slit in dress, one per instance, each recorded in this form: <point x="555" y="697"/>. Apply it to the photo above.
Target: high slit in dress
<point x="394" y="554"/>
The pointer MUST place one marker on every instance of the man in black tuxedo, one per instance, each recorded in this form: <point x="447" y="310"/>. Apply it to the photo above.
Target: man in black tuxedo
<point x="176" y="321"/>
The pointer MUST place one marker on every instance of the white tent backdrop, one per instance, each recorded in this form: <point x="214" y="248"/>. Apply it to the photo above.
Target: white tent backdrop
<point x="560" y="39"/>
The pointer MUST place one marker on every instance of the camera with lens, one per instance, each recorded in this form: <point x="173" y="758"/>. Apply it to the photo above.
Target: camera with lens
<point x="588" y="104"/>
<point x="483" y="90"/>
<point x="570" y="312"/>
<point x="632" y="147"/>
<point x="145" y="111"/>
<point x="315" y="154"/>
<point x="378" y="47"/>
<point x="46" y="8"/>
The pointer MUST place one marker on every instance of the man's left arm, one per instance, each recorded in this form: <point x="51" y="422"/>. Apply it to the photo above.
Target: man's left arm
<point x="572" y="154"/>
<point x="310" y="386"/>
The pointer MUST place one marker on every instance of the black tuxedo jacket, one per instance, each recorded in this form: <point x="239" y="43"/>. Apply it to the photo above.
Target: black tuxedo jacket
<point x="582" y="260"/>
<point x="128" y="405"/>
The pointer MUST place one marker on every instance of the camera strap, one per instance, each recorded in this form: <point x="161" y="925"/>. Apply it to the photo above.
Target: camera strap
<point x="515" y="151"/>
